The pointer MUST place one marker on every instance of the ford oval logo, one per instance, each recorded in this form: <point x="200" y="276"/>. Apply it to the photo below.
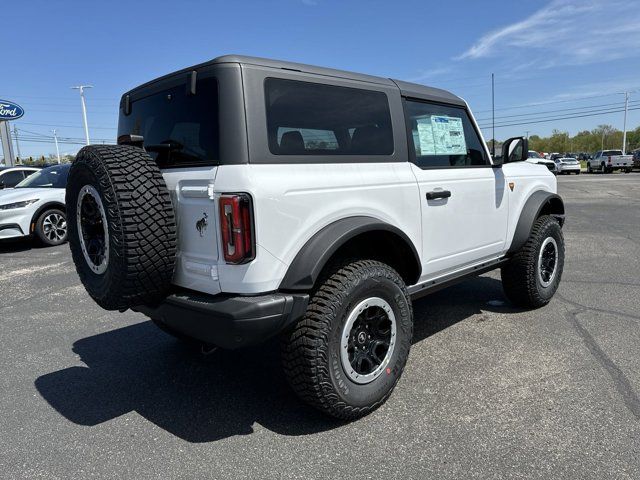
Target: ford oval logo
<point x="10" y="110"/>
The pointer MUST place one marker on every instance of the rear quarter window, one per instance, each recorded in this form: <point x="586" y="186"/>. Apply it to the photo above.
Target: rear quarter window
<point x="305" y="118"/>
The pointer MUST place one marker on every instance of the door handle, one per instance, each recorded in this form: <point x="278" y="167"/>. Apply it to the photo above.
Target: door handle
<point x="438" y="194"/>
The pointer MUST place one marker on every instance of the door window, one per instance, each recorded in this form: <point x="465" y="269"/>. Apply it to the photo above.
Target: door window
<point x="443" y="136"/>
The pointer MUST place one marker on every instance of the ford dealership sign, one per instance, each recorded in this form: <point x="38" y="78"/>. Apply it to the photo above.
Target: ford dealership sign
<point x="10" y="110"/>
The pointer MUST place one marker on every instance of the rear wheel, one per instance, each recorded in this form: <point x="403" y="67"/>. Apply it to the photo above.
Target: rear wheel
<point x="51" y="227"/>
<point x="532" y="276"/>
<point x="348" y="352"/>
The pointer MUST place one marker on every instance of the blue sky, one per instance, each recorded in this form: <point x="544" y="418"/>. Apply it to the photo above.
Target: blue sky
<point x="550" y="57"/>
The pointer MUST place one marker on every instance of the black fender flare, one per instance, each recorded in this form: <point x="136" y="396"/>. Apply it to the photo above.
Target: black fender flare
<point x="533" y="207"/>
<point x="41" y="210"/>
<point x="314" y="255"/>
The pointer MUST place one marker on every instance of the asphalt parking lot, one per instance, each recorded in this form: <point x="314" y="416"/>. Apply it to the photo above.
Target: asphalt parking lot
<point x="488" y="392"/>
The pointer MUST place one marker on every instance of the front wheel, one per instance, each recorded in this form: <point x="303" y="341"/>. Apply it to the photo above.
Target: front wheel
<point x="51" y="227"/>
<point x="531" y="277"/>
<point x="348" y="352"/>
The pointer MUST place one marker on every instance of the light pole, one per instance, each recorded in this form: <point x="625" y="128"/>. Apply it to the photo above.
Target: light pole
<point x="55" y="137"/>
<point x="493" y="117"/>
<point x="15" y="134"/>
<point x="624" y="128"/>
<point x="84" y="108"/>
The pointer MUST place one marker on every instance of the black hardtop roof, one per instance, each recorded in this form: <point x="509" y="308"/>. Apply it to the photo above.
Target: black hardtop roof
<point x="406" y="88"/>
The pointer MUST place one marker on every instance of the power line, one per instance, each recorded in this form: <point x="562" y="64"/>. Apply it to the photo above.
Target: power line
<point x="535" y="104"/>
<point x="486" y="127"/>
<point x="66" y="126"/>
<point x="578" y="109"/>
<point x="567" y="115"/>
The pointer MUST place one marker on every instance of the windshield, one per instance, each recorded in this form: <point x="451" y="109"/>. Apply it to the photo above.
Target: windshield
<point x="52" y="177"/>
<point x="533" y="154"/>
<point x="178" y="128"/>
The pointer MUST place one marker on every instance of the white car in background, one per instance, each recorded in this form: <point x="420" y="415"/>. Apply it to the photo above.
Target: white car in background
<point x="36" y="207"/>
<point x="567" y="165"/>
<point x="11" y="176"/>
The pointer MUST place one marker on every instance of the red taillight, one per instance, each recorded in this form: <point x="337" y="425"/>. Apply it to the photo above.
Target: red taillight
<point x="236" y="222"/>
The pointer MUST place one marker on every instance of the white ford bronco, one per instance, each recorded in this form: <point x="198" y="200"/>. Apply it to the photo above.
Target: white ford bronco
<point x="249" y="198"/>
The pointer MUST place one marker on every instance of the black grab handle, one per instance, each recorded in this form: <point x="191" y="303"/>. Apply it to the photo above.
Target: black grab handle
<point x="438" y="194"/>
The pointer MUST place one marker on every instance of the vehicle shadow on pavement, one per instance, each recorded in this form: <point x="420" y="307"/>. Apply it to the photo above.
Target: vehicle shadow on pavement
<point x="204" y="399"/>
<point x="454" y="304"/>
<point x="199" y="399"/>
<point x="11" y="246"/>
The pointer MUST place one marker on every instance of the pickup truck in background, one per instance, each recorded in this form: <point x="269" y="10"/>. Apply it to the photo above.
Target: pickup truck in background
<point x="606" y="161"/>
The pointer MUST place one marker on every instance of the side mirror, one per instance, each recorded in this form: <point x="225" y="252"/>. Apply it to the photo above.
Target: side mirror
<point x="515" y="149"/>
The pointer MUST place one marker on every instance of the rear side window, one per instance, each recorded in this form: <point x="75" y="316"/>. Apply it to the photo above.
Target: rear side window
<point x="179" y="129"/>
<point x="443" y="136"/>
<point x="11" y="179"/>
<point x="315" y="119"/>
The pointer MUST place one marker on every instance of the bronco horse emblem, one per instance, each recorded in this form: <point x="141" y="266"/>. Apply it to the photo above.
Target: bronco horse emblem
<point x="201" y="225"/>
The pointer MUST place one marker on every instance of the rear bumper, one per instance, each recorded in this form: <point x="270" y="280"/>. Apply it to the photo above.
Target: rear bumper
<point x="567" y="168"/>
<point x="228" y="321"/>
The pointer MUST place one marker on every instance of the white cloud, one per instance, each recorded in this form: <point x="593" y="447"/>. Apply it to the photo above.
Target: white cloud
<point x="566" y="32"/>
<point x="431" y="74"/>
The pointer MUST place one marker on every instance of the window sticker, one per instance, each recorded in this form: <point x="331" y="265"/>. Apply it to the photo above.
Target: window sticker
<point x="441" y="135"/>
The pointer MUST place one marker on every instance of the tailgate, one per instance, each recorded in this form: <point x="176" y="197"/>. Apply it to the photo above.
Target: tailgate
<point x="196" y="215"/>
<point x="622" y="160"/>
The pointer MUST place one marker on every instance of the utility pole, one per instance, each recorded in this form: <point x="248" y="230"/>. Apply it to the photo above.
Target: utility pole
<point x="624" y="134"/>
<point x="527" y="132"/>
<point x="15" y="134"/>
<point x="84" y="108"/>
<point x="602" y="147"/>
<point x="7" y="144"/>
<point x="493" y="118"/>
<point x="55" y="137"/>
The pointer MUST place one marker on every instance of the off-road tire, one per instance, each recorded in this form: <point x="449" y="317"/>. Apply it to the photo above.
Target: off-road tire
<point x="520" y="279"/>
<point x="39" y="228"/>
<point x="311" y="349"/>
<point x="141" y="225"/>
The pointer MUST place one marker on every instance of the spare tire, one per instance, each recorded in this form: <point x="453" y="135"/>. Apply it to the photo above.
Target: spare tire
<point x="122" y="228"/>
